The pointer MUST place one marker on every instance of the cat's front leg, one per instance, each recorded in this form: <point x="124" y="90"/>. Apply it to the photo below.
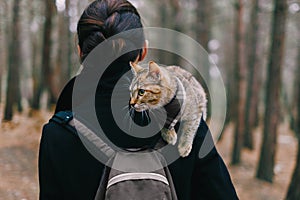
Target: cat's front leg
<point x="169" y="135"/>
<point x="189" y="129"/>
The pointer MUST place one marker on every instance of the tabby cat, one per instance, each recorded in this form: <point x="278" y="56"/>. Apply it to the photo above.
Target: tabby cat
<point x="178" y="92"/>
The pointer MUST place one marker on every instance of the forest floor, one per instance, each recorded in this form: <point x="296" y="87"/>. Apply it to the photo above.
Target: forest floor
<point x="19" y="143"/>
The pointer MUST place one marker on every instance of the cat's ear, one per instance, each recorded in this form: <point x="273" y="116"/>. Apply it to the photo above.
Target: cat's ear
<point x="154" y="69"/>
<point x="135" y="68"/>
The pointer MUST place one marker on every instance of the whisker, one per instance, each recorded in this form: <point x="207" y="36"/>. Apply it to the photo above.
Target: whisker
<point x="126" y="107"/>
<point x="157" y="120"/>
<point x="130" y="116"/>
<point x="126" y="117"/>
<point x="125" y="87"/>
<point x="131" y="112"/>
<point x="159" y="111"/>
<point x="142" y="115"/>
<point x="148" y="117"/>
<point x="126" y="84"/>
<point x="127" y="78"/>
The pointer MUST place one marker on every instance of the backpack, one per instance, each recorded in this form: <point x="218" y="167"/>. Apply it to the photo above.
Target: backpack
<point x="129" y="174"/>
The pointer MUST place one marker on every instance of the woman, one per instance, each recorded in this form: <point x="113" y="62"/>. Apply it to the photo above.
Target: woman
<point x="68" y="171"/>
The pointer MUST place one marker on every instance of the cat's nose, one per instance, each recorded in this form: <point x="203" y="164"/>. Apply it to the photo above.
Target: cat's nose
<point x="132" y="103"/>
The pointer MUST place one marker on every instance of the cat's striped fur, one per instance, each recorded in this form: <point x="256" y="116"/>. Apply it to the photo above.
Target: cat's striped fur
<point x="155" y="86"/>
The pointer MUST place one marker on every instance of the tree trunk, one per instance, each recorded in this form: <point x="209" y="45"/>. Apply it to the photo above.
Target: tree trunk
<point x="253" y="86"/>
<point x="61" y="74"/>
<point x="3" y="61"/>
<point x="163" y="56"/>
<point x="45" y="80"/>
<point x="295" y="102"/>
<point x="272" y="110"/>
<point x="230" y="80"/>
<point x="240" y="75"/>
<point x="35" y="67"/>
<point x="70" y="41"/>
<point x="203" y="20"/>
<point x="232" y="73"/>
<point x="169" y="17"/>
<point x="177" y="25"/>
<point x="1" y="72"/>
<point x="12" y="92"/>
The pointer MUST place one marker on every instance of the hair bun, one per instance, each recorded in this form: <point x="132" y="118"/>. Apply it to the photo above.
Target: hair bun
<point x="105" y="18"/>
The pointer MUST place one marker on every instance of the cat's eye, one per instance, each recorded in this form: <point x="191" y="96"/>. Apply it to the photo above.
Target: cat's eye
<point x="141" y="92"/>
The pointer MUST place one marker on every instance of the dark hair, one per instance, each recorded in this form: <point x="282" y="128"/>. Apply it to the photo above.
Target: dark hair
<point x="105" y="18"/>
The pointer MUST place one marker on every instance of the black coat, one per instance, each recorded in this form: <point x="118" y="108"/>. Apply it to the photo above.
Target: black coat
<point x="68" y="171"/>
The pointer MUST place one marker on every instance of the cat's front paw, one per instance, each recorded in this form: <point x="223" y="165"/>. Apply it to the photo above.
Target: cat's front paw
<point x="170" y="136"/>
<point x="184" y="149"/>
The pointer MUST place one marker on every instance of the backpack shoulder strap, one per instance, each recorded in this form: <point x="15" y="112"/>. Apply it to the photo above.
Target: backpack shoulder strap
<point x="63" y="118"/>
<point x="171" y="183"/>
<point x="67" y="120"/>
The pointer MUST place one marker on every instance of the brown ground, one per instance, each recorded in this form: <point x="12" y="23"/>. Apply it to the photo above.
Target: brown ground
<point x="19" y="141"/>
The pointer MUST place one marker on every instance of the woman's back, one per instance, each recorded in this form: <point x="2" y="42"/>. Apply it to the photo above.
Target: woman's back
<point x="67" y="170"/>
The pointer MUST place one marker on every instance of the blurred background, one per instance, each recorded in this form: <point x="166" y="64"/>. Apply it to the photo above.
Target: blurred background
<point x="255" y="44"/>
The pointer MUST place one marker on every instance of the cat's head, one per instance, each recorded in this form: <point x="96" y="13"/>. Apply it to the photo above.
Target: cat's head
<point x="149" y="88"/>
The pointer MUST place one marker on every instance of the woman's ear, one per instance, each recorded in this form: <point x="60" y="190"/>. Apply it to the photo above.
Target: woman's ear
<point x="135" y="68"/>
<point x="144" y="51"/>
<point x="79" y="51"/>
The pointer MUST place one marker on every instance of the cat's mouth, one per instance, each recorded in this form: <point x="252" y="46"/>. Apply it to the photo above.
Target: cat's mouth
<point x="140" y="108"/>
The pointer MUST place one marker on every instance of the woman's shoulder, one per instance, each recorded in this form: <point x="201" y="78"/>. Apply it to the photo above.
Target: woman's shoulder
<point x="64" y="146"/>
<point x="203" y="144"/>
<point x="64" y="101"/>
<point x="203" y="133"/>
<point x="56" y="136"/>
